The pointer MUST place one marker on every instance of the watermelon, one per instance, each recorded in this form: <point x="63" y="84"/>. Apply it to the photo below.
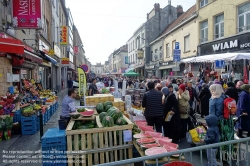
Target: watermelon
<point x="112" y="108"/>
<point x="99" y="107"/>
<point x="145" y="140"/>
<point x="107" y="107"/>
<point x="115" y="114"/>
<point x="107" y="103"/>
<point x="155" y="151"/>
<point x="107" y="121"/>
<point x="121" y="121"/>
<point x="102" y="115"/>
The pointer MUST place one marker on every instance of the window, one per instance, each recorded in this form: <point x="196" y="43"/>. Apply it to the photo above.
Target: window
<point x="204" y="31"/>
<point x="244" y="17"/>
<point x="53" y="30"/>
<point x="152" y="55"/>
<point x="173" y="47"/>
<point x="186" y="43"/>
<point x="219" y="26"/>
<point x="161" y="52"/>
<point x="156" y="51"/>
<point x="167" y="51"/>
<point x="143" y="38"/>
<point x="203" y="3"/>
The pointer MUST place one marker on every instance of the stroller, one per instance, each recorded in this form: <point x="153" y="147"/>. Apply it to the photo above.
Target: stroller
<point x="192" y="124"/>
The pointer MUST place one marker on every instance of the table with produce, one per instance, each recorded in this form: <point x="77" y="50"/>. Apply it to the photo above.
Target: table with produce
<point x="24" y="107"/>
<point x="148" y="142"/>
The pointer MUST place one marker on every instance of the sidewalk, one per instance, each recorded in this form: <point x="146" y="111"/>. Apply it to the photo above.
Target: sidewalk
<point x="29" y="142"/>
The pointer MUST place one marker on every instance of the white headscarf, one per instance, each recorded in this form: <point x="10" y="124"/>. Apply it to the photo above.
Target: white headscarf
<point x="216" y="91"/>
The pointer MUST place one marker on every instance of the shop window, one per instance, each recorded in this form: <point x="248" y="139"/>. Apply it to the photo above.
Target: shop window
<point x="219" y="26"/>
<point x="203" y="31"/>
<point x="186" y="43"/>
<point x="244" y="17"/>
<point x="203" y="3"/>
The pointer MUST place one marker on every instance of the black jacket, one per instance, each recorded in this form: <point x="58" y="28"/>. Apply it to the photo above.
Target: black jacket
<point x="152" y="102"/>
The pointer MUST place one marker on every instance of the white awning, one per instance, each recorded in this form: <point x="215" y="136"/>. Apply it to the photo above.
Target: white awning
<point x="214" y="57"/>
<point x="166" y="67"/>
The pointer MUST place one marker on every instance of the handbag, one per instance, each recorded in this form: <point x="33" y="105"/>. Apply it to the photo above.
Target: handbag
<point x="195" y="136"/>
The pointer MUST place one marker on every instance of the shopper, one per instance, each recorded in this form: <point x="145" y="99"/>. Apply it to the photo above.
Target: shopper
<point x="70" y="83"/>
<point x="243" y="108"/>
<point x="193" y="95"/>
<point x="93" y="88"/>
<point x="212" y="136"/>
<point x="172" y="128"/>
<point x="204" y="97"/>
<point x="231" y="91"/>
<point x="152" y="102"/>
<point x="183" y="98"/>
<point x="68" y="105"/>
<point x="216" y="101"/>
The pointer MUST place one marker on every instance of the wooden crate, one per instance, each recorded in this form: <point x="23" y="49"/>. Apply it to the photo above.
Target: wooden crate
<point x="98" y="145"/>
<point x="99" y="98"/>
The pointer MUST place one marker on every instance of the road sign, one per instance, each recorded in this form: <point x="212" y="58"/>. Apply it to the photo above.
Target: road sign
<point x="219" y="64"/>
<point x="177" y="45"/>
<point x="177" y="52"/>
<point x="177" y="58"/>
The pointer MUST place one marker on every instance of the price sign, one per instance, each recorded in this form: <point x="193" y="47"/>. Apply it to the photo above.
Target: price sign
<point x="127" y="135"/>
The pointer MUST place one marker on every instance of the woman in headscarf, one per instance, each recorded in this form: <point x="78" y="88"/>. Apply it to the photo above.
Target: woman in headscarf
<point x="204" y="97"/>
<point x="183" y="105"/>
<point x="172" y="128"/>
<point x="216" y="101"/>
<point x="243" y="108"/>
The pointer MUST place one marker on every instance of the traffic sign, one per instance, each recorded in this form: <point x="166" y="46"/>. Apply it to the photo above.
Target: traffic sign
<point x="219" y="64"/>
<point x="177" y="45"/>
<point x="177" y="58"/>
<point x="177" y="52"/>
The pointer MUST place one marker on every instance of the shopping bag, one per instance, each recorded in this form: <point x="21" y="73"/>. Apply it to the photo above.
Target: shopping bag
<point x="194" y="135"/>
<point x="189" y="138"/>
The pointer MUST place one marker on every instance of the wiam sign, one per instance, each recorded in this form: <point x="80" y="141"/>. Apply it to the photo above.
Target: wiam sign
<point x="225" y="45"/>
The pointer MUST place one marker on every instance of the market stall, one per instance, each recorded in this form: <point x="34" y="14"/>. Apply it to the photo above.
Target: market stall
<point x="24" y="107"/>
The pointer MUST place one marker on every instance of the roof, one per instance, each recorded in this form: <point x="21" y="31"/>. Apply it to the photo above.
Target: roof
<point x="179" y="20"/>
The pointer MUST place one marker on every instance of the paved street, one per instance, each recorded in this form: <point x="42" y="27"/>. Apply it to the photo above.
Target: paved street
<point x="32" y="144"/>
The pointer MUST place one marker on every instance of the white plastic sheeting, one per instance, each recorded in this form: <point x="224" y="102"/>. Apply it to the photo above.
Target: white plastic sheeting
<point x="214" y="57"/>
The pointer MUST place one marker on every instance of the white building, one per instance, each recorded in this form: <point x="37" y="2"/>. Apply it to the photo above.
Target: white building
<point x="98" y="69"/>
<point x="136" y="50"/>
<point x="120" y="62"/>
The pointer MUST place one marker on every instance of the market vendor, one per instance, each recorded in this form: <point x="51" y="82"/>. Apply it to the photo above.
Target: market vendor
<point x="68" y="105"/>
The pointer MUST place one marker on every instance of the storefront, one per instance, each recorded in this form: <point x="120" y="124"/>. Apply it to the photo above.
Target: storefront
<point x="150" y="69"/>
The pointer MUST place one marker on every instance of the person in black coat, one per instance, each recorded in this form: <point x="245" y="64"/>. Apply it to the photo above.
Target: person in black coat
<point x="204" y="97"/>
<point x="172" y="128"/>
<point x="232" y="91"/>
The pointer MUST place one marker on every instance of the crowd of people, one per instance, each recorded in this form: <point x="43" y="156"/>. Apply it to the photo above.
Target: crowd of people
<point x="181" y="99"/>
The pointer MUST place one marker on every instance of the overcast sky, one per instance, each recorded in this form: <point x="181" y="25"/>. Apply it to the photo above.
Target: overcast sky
<point x="105" y="25"/>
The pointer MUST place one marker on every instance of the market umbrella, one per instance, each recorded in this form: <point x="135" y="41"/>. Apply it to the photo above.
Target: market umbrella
<point x="131" y="73"/>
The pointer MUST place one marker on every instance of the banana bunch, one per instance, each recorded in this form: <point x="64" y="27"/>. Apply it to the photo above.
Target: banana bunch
<point x="32" y="81"/>
<point x="37" y="107"/>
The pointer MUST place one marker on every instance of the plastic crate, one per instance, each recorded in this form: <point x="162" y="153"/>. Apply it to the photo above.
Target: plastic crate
<point x="54" y="136"/>
<point x="28" y="119"/>
<point x="29" y="130"/>
<point x="17" y="116"/>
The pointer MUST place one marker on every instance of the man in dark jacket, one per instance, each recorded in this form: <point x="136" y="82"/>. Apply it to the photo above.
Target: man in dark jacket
<point x="193" y="95"/>
<point x="152" y="102"/>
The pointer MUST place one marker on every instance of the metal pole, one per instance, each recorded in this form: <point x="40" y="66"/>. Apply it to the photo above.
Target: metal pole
<point x="41" y="124"/>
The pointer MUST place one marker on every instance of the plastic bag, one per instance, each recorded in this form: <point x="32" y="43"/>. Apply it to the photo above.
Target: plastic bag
<point x="189" y="138"/>
<point x="194" y="135"/>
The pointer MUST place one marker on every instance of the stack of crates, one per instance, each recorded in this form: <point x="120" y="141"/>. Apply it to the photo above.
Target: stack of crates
<point x="17" y="116"/>
<point x="54" y="147"/>
<point x="29" y="125"/>
<point x="57" y="105"/>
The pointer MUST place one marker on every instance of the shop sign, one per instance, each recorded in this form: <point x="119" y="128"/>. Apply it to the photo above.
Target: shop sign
<point x="75" y="50"/>
<point x="150" y="67"/>
<point x="27" y="14"/>
<point x="65" y="61"/>
<point x="230" y="44"/>
<point x="51" y="52"/>
<point x="43" y="47"/>
<point x="140" y="54"/>
<point x="64" y="35"/>
<point x="57" y="51"/>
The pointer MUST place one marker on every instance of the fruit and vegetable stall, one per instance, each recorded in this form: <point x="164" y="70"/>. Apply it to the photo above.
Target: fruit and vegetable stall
<point x="23" y="108"/>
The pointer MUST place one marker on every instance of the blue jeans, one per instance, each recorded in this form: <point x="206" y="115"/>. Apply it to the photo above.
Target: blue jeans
<point x="211" y="157"/>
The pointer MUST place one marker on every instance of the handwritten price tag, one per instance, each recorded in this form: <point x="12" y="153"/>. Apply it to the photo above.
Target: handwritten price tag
<point x="127" y="135"/>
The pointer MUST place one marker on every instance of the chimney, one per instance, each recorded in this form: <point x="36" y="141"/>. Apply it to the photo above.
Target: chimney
<point x="157" y="7"/>
<point x="179" y="10"/>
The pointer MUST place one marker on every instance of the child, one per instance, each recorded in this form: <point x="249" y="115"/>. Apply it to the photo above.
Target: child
<point x="212" y="136"/>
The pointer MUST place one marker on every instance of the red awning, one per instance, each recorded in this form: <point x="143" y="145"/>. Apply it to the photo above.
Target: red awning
<point x="14" y="46"/>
